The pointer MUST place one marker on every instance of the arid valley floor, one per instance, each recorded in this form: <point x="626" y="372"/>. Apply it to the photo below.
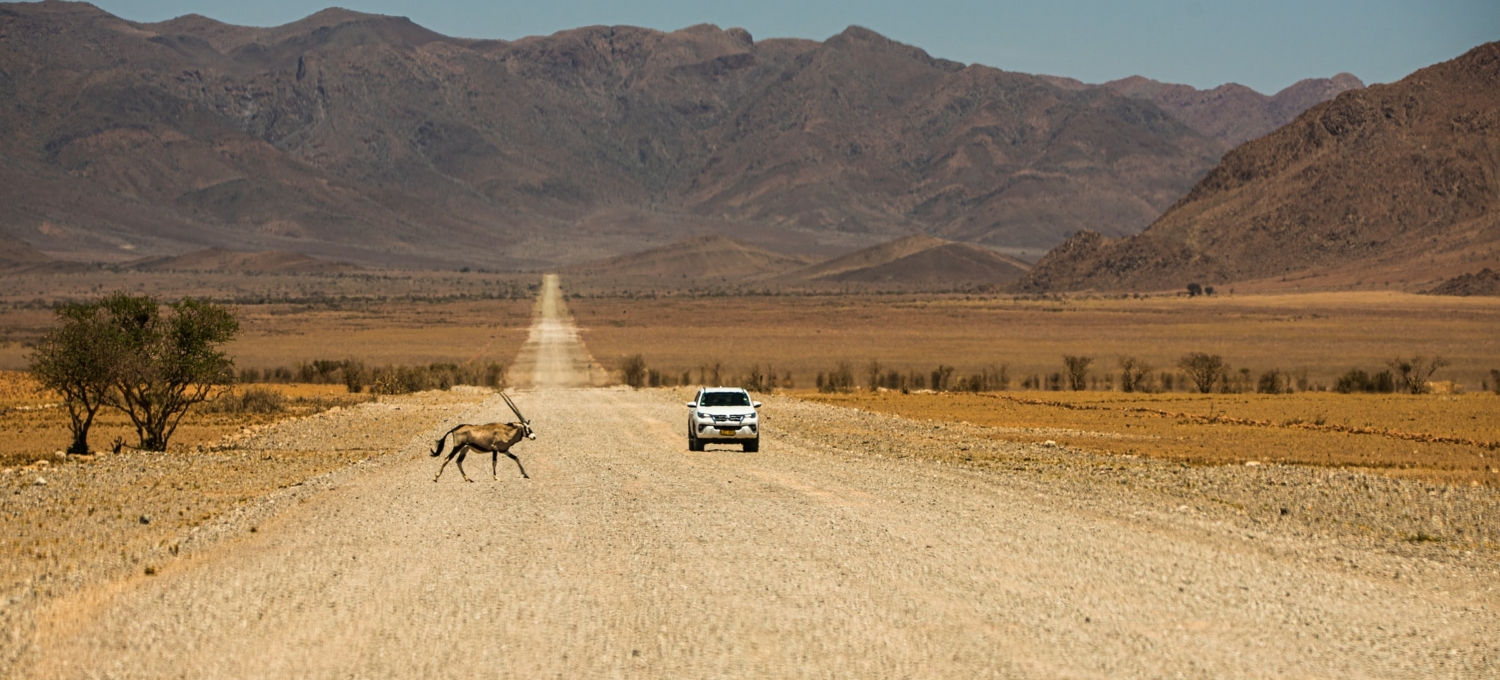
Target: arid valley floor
<point x="1014" y="533"/>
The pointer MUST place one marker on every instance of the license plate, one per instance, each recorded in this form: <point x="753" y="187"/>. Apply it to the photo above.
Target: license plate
<point x="727" y="433"/>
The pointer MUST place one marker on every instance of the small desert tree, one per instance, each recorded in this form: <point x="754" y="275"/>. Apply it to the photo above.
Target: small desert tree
<point x="942" y="378"/>
<point x="633" y="370"/>
<point x="168" y="363"/>
<point x="872" y="374"/>
<point x="79" y="360"/>
<point x="1271" y="382"/>
<point x="1134" y="374"/>
<point x="709" y="374"/>
<point x="1194" y="289"/>
<point x="1412" y="374"/>
<point x="1203" y="369"/>
<point x="840" y="379"/>
<point x="1495" y="380"/>
<point x="1078" y="371"/>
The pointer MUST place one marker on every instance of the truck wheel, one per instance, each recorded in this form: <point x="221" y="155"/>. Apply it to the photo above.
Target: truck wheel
<point x="752" y="445"/>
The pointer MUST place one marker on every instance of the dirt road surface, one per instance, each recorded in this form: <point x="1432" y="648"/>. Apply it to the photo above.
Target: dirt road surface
<point x="626" y="556"/>
<point x="553" y="356"/>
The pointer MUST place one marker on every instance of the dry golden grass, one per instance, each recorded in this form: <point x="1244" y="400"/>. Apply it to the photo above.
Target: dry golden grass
<point x="1323" y="334"/>
<point x="1447" y="438"/>
<point x="1318" y="335"/>
<point x="377" y="333"/>
<point x="383" y="333"/>
<point x="34" y="425"/>
<point x="272" y="335"/>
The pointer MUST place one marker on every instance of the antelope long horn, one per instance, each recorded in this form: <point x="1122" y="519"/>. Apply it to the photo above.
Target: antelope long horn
<point x="513" y="408"/>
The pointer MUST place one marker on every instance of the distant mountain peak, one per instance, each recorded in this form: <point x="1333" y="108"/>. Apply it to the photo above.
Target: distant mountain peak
<point x="1233" y="113"/>
<point x="1378" y="187"/>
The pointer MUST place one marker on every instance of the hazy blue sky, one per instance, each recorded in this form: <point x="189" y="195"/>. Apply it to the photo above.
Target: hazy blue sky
<point x="1267" y="45"/>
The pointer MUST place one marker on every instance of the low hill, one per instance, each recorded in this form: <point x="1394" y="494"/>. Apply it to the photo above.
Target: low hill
<point x="697" y="261"/>
<point x="267" y="262"/>
<point x="873" y="256"/>
<point x="1485" y="282"/>
<point x="15" y="253"/>
<point x="947" y="265"/>
<point x="919" y="261"/>
<point x="1392" y="184"/>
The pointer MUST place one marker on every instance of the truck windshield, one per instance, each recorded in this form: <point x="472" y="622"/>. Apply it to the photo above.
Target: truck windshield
<point x="725" y="399"/>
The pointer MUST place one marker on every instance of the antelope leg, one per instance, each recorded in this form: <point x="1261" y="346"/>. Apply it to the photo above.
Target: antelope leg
<point x="460" y="462"/>
<point x="445" y="463"/>
<point x="518" y="464"/>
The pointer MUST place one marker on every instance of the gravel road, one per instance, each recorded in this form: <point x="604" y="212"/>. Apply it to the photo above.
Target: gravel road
<point x="824" y="555"/>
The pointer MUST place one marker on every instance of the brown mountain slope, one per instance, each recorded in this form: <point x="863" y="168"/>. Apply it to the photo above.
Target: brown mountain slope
<point x="102" y="145"/>
<point x="218" y="259"/>
<point x="1233" y="113"/>
<point x="717" y="259"/>
<point x="371" y="139"/>
<point x="1393" y="183"/>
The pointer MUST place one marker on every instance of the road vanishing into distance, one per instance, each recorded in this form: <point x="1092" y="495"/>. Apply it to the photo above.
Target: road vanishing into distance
<point x="627" y="556"/>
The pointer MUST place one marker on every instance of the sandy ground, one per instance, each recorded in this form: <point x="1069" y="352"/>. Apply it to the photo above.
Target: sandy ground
<point x="828" y="554"/>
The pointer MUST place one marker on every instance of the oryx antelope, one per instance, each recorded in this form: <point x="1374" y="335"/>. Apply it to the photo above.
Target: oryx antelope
<point x="496" y="438"/>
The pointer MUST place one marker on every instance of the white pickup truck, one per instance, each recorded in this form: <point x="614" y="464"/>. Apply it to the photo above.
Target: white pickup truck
<point x="723" y="415"/>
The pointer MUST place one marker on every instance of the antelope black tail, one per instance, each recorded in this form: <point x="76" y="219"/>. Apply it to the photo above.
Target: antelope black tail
<point x="443" y="441"/>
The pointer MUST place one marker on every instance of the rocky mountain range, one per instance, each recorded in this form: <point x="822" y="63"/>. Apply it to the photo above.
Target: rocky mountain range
<point x="372" y="140"/>
<point x="1394" y="185"/>
<point x="1230" y="113"/>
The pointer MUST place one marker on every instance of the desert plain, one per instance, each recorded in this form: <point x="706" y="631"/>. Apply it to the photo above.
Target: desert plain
<point x="1402" y="485"/>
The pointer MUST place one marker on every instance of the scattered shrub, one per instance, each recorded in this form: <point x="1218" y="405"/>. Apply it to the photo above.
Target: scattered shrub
<point x="840" y="379"/>
<point x="1203" y="369"/>
<point x="1078" y="371"/>
<point x="355" y="375"/>
<point x="252" y="400"/>
<point x="1271" y="382"/>
<point x="756" y="380"/>
<point x="992" y="379"/>
<point x="709" y="374"/>
<point x="438" y="376"/>
<point x="1194" y="290"/>
<point x="1359" y="381"/>
<point x="1135" y="375"/>
<point x="872" y="374"/>
<point x="633" y="371"/>
<point x="905" y="382"/>
<point x="942" y="378"/>
<point x="1495" y="380"/>
<point x="1411" y="375"/>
